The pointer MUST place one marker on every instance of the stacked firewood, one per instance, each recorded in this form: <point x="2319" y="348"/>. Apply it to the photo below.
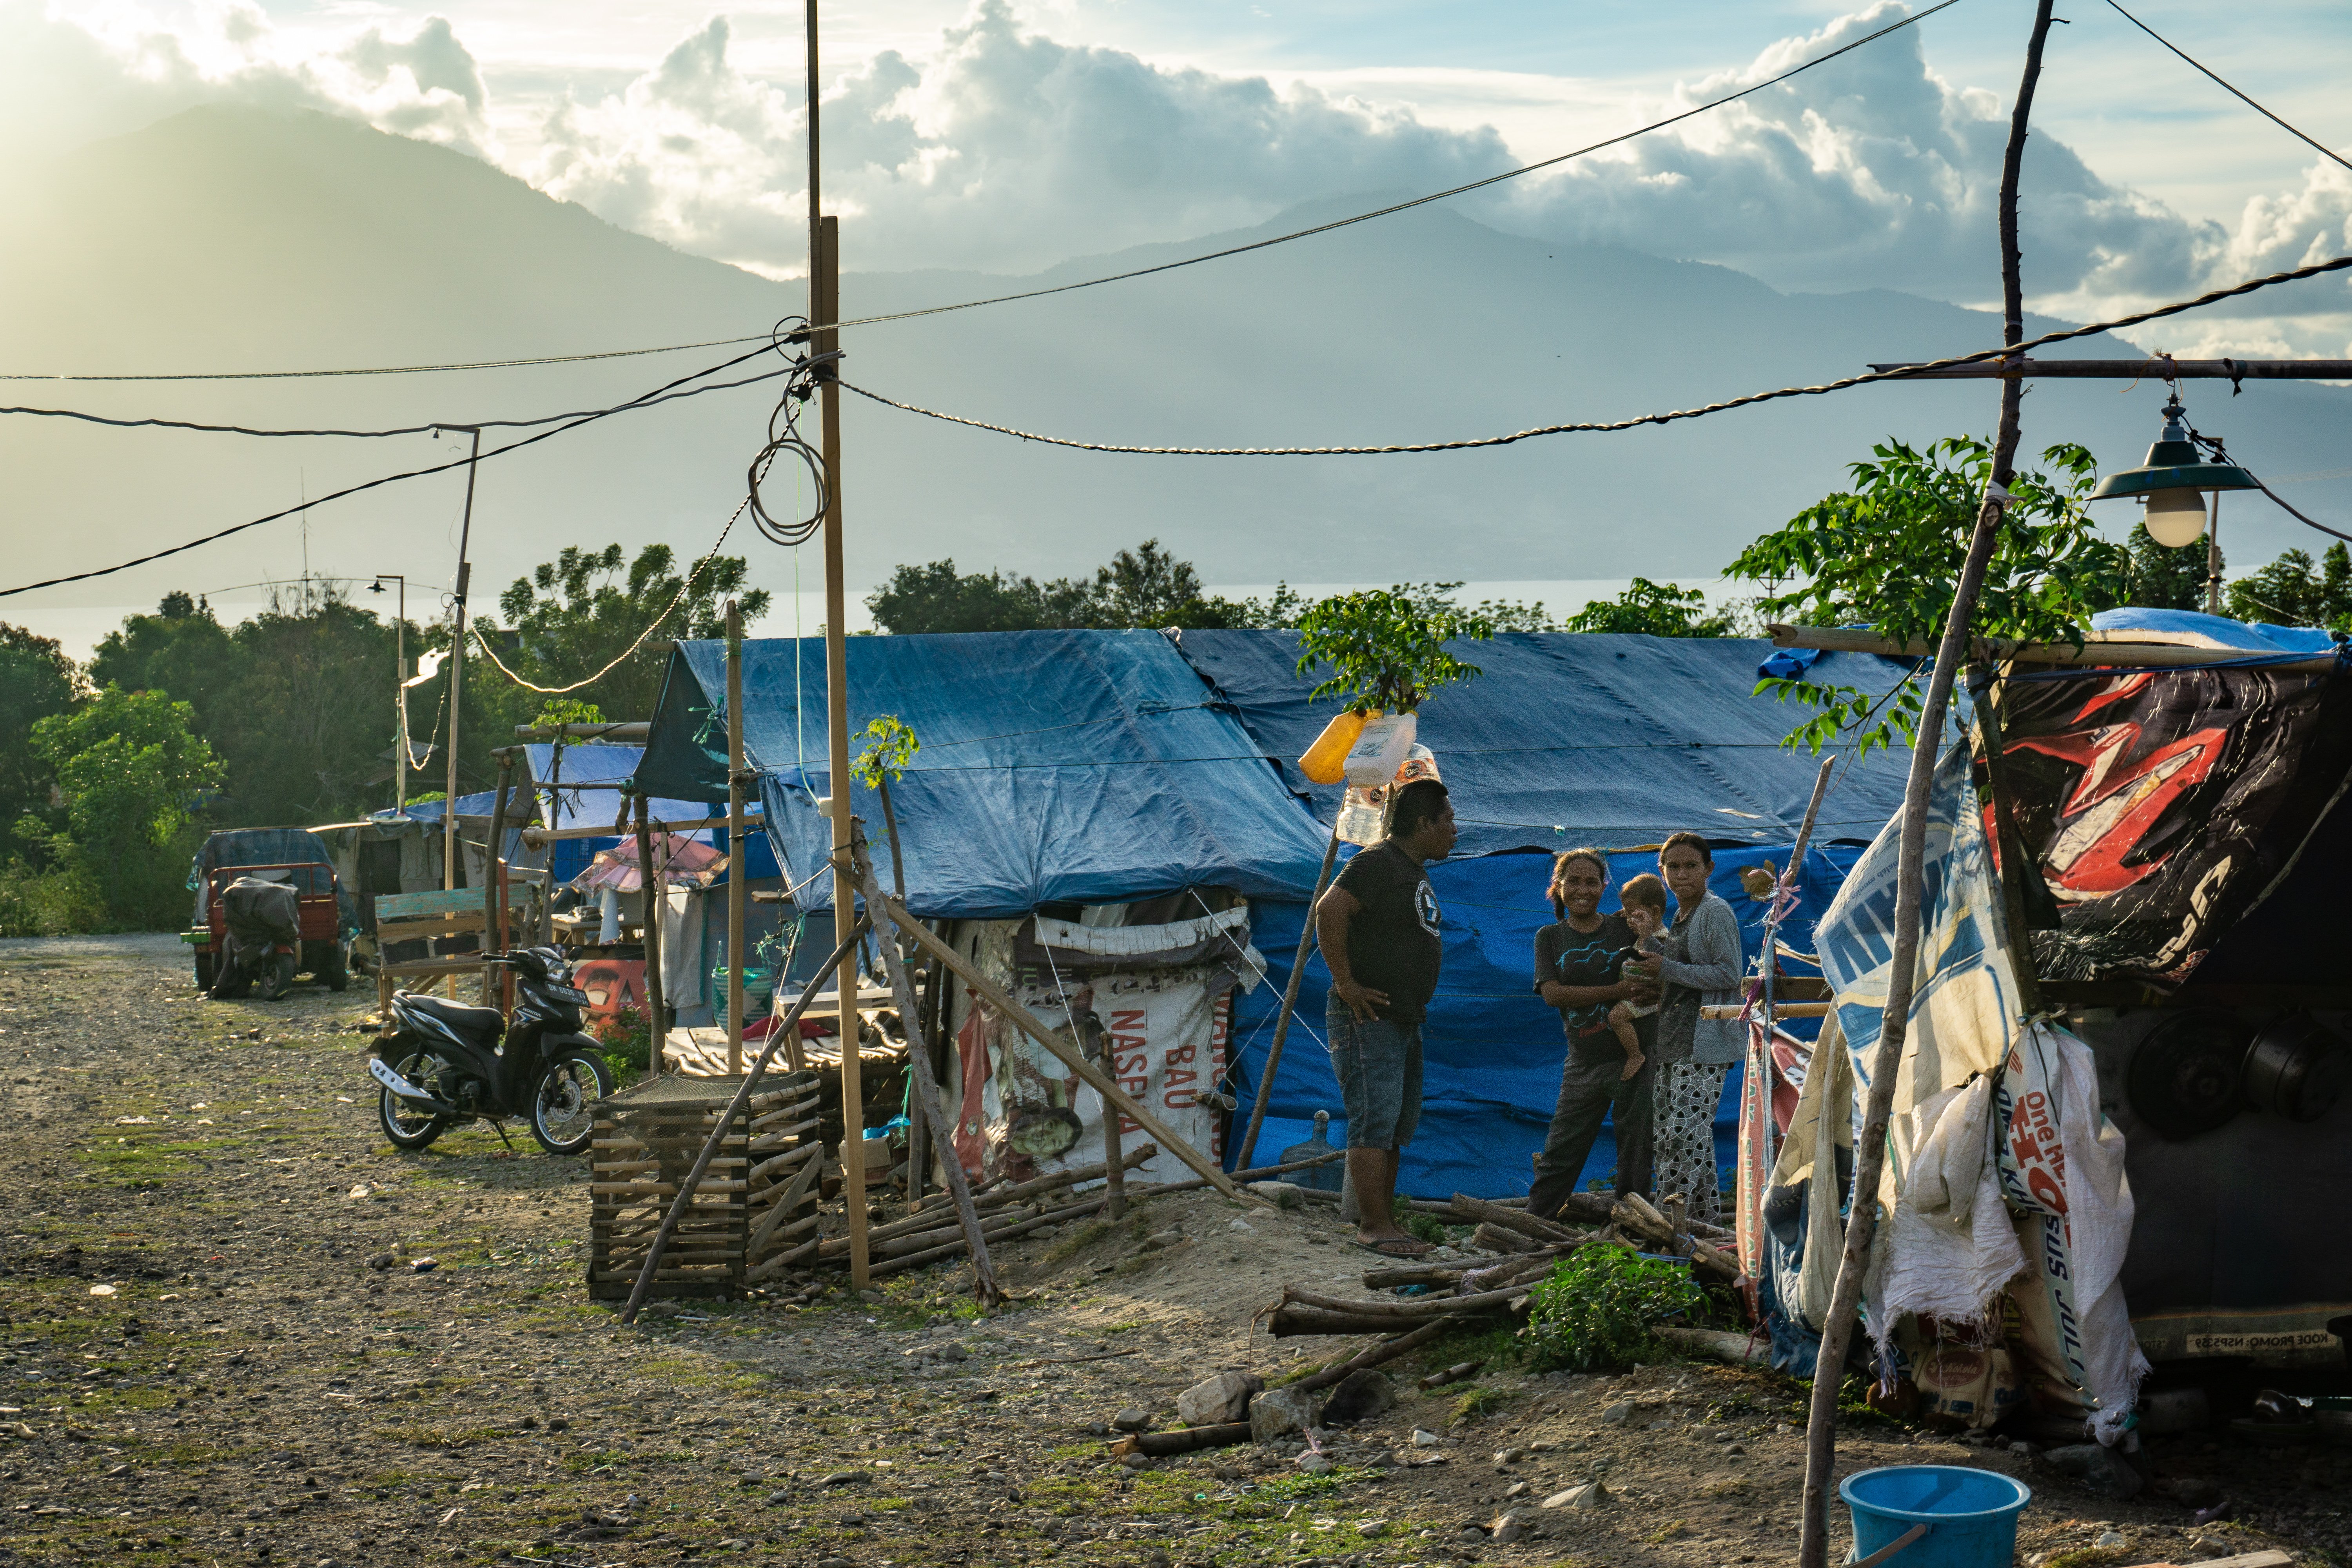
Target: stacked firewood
<point x="1469" y="1288"/>
<point x="930" y="1230"/>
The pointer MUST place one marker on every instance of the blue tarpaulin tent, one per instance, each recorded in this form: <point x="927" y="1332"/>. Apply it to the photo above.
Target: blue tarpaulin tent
<point x="603" y="761"/>
<point x="1056" y="767"/>
<point x="1100" y="767"/>
<point x="1564" y="740"/>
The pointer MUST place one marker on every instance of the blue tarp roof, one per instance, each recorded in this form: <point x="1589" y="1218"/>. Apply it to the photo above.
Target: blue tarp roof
<point x="1058" y="766"/>
<point x="603" y="761"/>
<point x="1568" y="739"/>
<point x="2258" y="637"/>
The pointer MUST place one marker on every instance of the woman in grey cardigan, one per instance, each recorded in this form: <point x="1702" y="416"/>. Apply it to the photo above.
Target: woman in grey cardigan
<point x="1699" y="964"/>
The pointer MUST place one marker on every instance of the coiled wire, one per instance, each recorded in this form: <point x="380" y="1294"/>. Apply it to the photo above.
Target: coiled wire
<point x="784" y="440"/>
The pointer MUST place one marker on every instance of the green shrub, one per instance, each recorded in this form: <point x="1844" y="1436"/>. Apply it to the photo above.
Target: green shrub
<point x="1600" y="1307"/>
<point x="1424" y="1227"/>
<point x="47" y="903"/>
<point x="628" y="1046"/>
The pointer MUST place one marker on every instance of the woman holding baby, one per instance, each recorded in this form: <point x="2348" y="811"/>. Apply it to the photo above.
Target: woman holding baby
<point x="1628" y="988"/>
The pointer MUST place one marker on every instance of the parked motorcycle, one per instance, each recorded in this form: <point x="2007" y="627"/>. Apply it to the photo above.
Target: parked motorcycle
<point x="261" y="941"/>
<point x="442" y="1064"/>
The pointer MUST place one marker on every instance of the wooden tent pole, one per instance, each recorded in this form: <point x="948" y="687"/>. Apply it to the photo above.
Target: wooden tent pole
<point x="652" y="891"/>
<point x="1870" y="1145"/>
<point x="739" y="864"/>
<point x="1289" y="1004"/>
<point x="926" y="1094"/>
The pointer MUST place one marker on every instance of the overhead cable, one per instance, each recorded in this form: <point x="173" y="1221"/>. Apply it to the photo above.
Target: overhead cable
<point x="1475" y="443"/>
<point x="2322" y="148"/>
<point x="396" y="430"/>
<point x="1416" y="202"/>
<point x="386" y="479"/>
<point x="400" y="369"/>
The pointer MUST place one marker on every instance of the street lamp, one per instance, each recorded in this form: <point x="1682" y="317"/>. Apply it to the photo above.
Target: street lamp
<point x="2173" y="482"/>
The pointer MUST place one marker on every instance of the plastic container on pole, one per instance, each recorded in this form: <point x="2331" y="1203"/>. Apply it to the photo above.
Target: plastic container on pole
<point x="1323" y="763"/>
<point x="1971" y="1515"/>
<point x="1380" y="750"/>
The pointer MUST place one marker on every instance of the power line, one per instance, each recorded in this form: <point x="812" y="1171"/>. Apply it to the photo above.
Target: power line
<point x="403" y="368"/>
<point x="399" y="430"/>
<point x="388" y="478"/>
<point x="1417" y="201"/>
<point x="2323" y="149"/>
<point x="1475" y="443"/>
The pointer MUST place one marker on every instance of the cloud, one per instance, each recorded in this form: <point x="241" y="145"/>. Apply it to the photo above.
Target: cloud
<point x="1006" y="150"/>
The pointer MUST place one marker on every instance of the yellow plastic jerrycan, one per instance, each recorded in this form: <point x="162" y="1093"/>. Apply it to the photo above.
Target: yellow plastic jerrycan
<point x="1323" y="763"/>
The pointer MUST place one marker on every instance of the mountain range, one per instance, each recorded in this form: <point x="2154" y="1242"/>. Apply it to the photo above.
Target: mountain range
<point x="245" y="240"/>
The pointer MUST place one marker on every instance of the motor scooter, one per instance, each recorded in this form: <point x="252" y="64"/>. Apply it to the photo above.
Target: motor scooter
<point x="261" y="940"/>
<point x="442" y="1064"/>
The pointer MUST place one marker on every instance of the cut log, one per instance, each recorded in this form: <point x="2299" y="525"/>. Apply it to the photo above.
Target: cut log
<point x="1495" y="1238"/>
<point x="1184" y="1439"/>
<point x="1411" y="1307"/>
<point x="999" y="1196"/>
<point x="1387" y="1350"/>
<point x="1004" y="1233"/>
<point x="1519" y="1220"/>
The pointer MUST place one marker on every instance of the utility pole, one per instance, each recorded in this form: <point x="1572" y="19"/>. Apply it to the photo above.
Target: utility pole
<point x="738" y="864"/>
<point x="824" y="310"/>
<point x="458" y="666"/>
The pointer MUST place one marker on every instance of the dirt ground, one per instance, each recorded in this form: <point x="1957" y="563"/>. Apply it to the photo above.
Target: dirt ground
<point x="222" y="1346"/>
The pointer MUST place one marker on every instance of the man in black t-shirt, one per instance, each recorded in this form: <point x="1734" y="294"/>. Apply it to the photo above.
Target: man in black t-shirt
<point x="1378" y="927"/>
<point x="1580" y="969"/>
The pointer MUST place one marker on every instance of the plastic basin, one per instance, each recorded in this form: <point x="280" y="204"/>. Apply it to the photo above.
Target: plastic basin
<point x="1971" y="1515"/>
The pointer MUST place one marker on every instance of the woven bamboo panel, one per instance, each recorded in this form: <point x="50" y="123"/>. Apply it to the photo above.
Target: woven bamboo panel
<point x="646" y="1141"/>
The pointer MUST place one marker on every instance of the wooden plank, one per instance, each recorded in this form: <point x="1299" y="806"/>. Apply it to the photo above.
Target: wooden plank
<point x="440" y="904"/>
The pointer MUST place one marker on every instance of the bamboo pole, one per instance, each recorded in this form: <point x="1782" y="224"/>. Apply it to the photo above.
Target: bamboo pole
<point x="919" y="1071"/>
<point x="1870" y="1147"/>
<point x="2092" y="655"/>
<point x="493" y="914"/>
<point x="653" y="890"/>
<point x="994" y="995"/>
<point x="686" y="1189"/>
<point x="1289" y="1002"/>
<point x="739" y="864"/>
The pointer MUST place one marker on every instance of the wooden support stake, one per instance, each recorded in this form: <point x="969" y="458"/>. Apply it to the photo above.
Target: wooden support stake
<point x="1387" y="1350"/>
<point x="919" y="1071"/>
<point x="1289" y="1002"/>
<point x="1027" y="1021"/>
<point x="686" y="1188"/>
<point x="652" y="888"/>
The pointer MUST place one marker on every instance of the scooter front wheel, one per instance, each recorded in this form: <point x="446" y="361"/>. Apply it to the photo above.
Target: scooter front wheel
<point x="563" y="1101"/>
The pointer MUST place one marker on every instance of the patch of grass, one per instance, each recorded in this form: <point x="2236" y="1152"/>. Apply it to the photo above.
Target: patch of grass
<point x="2088" y="1557"/>
<point x="1476" y="1400"/>
<point x="1295" y="1488"/>
<point x="1735" y="1486"/>
<point x="1664" y="1533"/>
<point x="1425" y="1227"/>
<point x="1078" y="1241"/>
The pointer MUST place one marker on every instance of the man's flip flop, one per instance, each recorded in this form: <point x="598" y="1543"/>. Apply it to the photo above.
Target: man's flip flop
<point x="1397" y="1246"/>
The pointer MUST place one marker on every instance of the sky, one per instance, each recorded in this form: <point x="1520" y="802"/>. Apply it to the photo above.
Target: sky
<point x="1013" y="135"/>
<point x="1010" y="136"/>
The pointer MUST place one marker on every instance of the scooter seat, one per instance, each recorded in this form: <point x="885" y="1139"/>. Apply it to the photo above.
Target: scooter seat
<point x="484" y="1022"/>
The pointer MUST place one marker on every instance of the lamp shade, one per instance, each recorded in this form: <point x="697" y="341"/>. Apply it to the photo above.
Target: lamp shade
<point x="2174" y="463"/>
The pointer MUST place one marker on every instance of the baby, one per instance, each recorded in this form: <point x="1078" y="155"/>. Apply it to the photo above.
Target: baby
<point x="1644" y="898"/>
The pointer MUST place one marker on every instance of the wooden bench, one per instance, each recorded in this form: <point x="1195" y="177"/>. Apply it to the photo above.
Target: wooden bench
<point x="433" y="916"/>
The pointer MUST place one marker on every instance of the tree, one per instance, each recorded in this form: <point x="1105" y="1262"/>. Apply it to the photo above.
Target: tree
<point x="1662" y="610"/>
<point x="1384" y="649"/>
<point x="2161" y="577"/>
<point x="130" y="768"/>
<point x="2293" y="591"/>
<point x="37" y="680"/>
<point x="580" y="612"/>
<point x="1887" y="555"/>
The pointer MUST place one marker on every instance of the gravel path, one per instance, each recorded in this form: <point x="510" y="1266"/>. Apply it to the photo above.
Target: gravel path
<point x="224" y="1346"/>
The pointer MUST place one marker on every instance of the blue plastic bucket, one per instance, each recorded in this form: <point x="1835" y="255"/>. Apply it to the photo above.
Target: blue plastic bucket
<point x="1971" y="1515"/>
